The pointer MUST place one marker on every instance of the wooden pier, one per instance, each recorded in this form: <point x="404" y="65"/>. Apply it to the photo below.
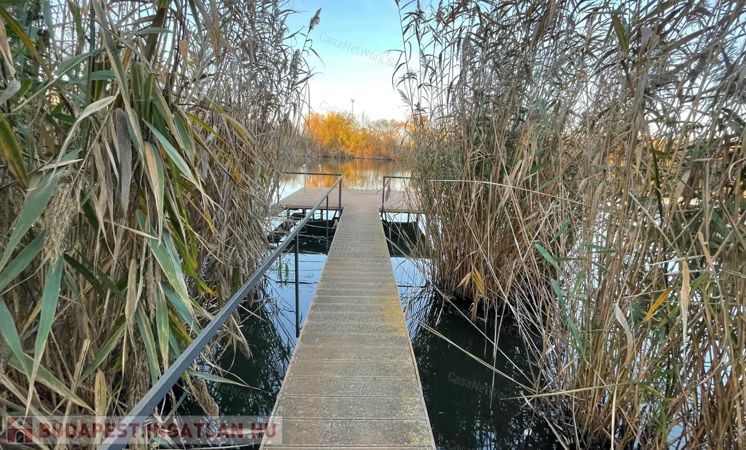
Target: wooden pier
<point x="393" y="201"/>
<point x="353" y="381"/>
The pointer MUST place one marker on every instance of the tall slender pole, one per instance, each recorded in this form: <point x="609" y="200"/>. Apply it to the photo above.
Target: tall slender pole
<point x="297" y="288"/>
<point x="339" y="203"/>
<point x="327" y="223"/>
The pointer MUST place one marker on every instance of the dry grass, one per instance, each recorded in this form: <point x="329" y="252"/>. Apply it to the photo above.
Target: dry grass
<point x="141" y="143"/>
<point x="583" y="167"/>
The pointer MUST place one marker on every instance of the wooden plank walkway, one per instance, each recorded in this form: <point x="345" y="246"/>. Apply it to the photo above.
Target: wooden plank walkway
<point x="353" y="381"/>
<point x="395" y="201"/>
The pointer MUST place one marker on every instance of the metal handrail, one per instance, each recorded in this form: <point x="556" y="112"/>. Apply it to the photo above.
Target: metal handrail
<point x="163" y="386"/>
<point x="383" y="191"/>
<point x="314" y="173"/>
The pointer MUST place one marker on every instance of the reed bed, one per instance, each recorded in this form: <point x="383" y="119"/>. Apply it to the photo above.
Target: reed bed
<point x="583" y="168"/>
<point x="141" y="143"/>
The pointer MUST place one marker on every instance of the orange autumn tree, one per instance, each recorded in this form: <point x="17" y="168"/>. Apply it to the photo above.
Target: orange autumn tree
<point x="339" y="134"/>
<point x="331" y="132"/>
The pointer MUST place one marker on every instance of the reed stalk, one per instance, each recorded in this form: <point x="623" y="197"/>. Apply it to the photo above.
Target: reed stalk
<point x="141" y="144"/>
<point x="582" y="166"/>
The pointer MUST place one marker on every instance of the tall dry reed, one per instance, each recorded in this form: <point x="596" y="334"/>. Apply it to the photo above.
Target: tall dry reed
<point x="140" y="143"/>
<point x="583" y="167"/>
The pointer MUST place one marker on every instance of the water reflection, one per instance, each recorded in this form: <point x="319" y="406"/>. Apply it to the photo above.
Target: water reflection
<point x="471" y="407"/>
<point x="403" y="233"/>
<point x="268" y="324"/>
<point x="356" y="173"/>
<point x="271" y="347"/>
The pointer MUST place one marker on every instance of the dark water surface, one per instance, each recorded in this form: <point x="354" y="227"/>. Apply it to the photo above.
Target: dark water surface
<point x="470" y="407"/>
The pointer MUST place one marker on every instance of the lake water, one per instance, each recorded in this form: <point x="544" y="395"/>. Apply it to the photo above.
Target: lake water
<point x="356" y="173"/>
<point x="469" y="405"/>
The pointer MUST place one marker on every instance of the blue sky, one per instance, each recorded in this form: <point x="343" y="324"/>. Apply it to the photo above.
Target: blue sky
<point x="352" y="40"/>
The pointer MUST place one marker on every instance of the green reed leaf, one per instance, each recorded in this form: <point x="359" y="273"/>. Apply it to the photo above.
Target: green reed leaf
<point x="9" y="332"/>
<point x="545" y="254"/>
<point x="146" y="333"/>
<point x="49" y="300"/>
<point x="22" y="362"/>
<point x="36" y="202"/>
<point x="21" y="261"/>
<point x="162" y="327"/>
<point x="104" y="351"/>
<point x="174" y="155"/>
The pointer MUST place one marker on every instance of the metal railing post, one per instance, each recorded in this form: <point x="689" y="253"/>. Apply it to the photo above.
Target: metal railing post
<point x="326" y="222"/>
<point x="339" y="202"/>
<point x="297" y="288"/>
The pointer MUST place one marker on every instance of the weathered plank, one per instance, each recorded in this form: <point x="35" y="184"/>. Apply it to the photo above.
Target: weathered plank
<point x="353" y="379"/>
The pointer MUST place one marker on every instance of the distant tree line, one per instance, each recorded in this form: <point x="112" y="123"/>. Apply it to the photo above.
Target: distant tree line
<point x="339" y="134"/>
